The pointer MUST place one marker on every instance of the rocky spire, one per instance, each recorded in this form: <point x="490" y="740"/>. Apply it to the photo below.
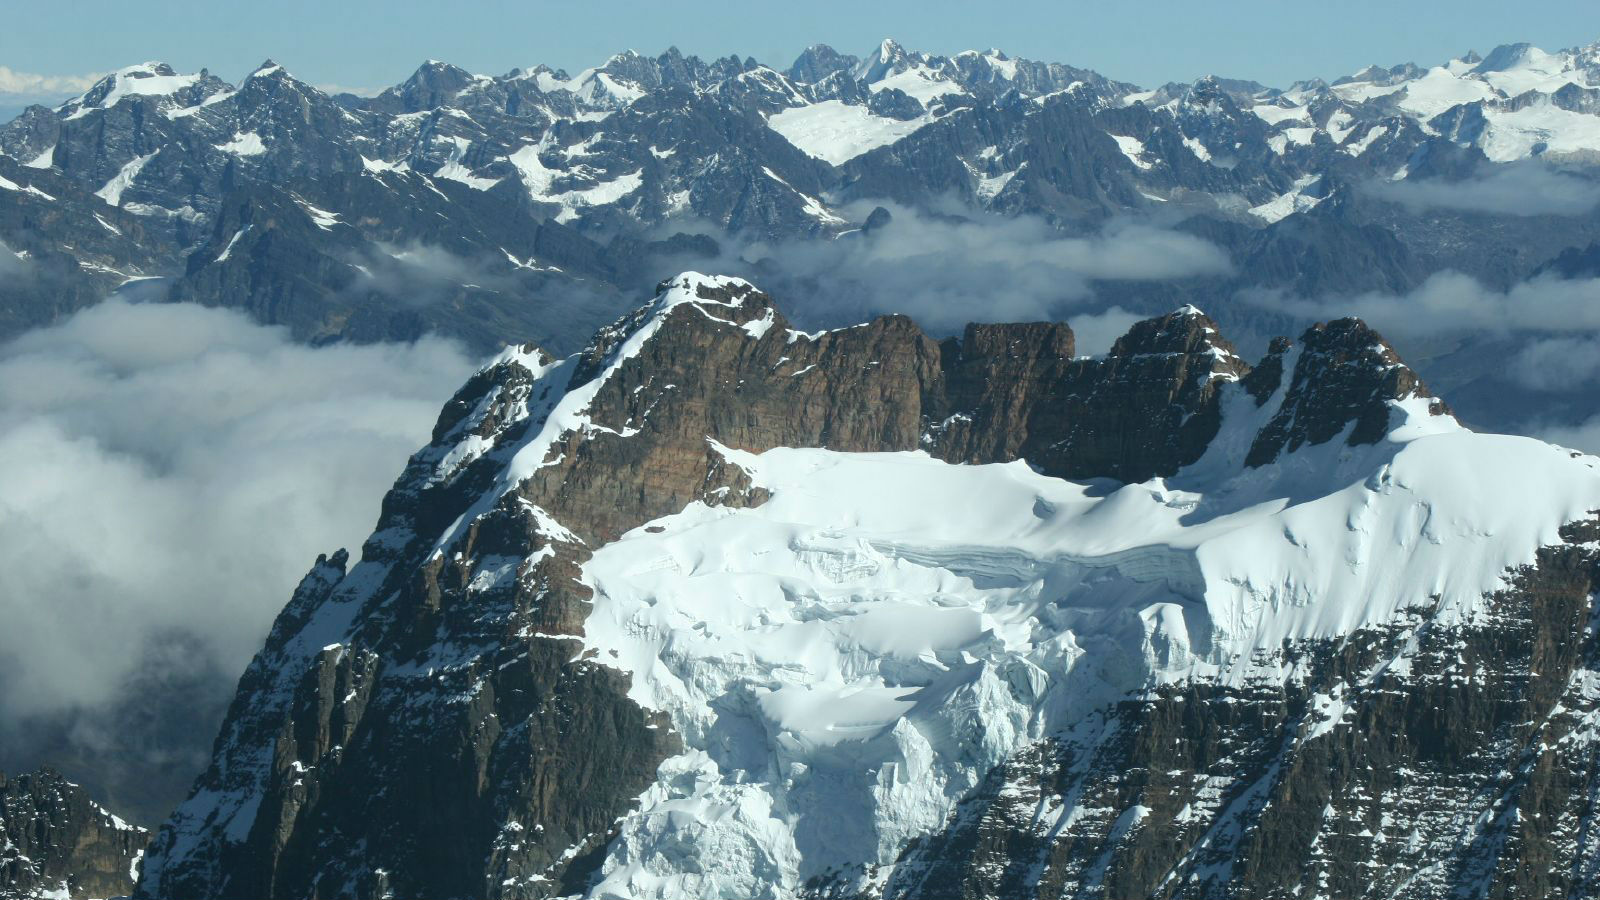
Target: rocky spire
<point x="1344" y="378"/>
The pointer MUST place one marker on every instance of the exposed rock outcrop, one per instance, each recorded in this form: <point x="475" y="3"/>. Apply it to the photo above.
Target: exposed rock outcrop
<point x="59" y="843"/>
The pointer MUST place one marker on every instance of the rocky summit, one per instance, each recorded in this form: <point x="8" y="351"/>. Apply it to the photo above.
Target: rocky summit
<point x="59" y="843"/>
<point x="718" y="607"/>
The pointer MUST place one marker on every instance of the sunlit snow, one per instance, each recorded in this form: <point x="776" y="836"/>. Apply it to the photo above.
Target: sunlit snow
<point x="836" y="132"/>
<point x="845" y="661"/>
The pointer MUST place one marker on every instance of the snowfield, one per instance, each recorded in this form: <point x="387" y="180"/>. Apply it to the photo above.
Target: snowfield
<point x="847" y="660"/>
<point x="837" y="133"/>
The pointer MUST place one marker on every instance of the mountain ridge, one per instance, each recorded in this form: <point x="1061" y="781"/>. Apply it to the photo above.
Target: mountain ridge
<point x="703" y="164"/>
<point x="59" y="843"/>
<point x="506" y="598"/>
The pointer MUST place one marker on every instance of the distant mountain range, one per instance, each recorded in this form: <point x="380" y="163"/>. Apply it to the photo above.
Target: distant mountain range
<point x="530" y="205"/>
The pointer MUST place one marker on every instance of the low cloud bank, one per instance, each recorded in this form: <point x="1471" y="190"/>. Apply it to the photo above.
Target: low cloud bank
<point x="946" y="271"/>
<point x="1528" y="188"/>
<point x="19" y="88"/>
<point x="1452" y="302"/>
<point x="171" y="472"/>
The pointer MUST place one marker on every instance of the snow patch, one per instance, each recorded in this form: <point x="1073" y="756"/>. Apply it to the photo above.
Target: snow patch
<point x="7" y="184"/>
<point x="323" y="219"/>
<point x="1132" y="148"/>
<point x="244" y="144"/>
<point x="113" y="190"/>
<point x="540" y="180"/>
<point x="1288" y="203"/>
<point x="228" y="250"/>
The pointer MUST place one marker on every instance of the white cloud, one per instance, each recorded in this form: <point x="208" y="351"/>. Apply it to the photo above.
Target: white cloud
<point x="171" y="471"/>
<point x="1557" y="363"/>
<point x="1093" y="334"/>
<point x="1584" y="436"/>
<point x="1450" y="302"/>
<point x="1518" y="189"/>
<point x="29" y="86"/>
<point x="946" y="271"/>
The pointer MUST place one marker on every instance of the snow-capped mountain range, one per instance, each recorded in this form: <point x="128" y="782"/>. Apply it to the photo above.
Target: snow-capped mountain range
<point x="534" y="204"/>
<point x="480" y="131"/>
<point x="721" y="608"/>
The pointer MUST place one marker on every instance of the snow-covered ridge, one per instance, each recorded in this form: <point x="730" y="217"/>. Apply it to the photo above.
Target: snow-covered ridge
<point x="1530" y="101"/>
<point x="847" y="660"/>
<point x="154" y="80"/>
<point x="547" y="130"/>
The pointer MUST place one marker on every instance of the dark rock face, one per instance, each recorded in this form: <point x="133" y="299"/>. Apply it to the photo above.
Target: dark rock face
<point x="498" y="741"/>
<point x="1344" y="377"/>
<point x="63" y="249"/>
<point x="57" y="839"/>
<point x="1574" y="262"/>
<point x="421" y="723"/>
<point x="1147" y="408"/>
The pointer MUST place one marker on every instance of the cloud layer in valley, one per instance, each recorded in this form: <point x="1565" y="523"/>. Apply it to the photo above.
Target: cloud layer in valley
<point x="171" y="472"/>
<point x="946" y="271"/>
<point x="1452" y="302"/>
<point x="1517" y="189"/>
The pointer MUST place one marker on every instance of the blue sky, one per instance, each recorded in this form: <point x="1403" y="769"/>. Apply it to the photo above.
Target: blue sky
<point x="367" y="44"/>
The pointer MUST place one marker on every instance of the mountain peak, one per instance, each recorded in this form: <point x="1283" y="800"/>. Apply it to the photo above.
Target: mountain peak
<point x="155" y="80"/>
<point x="54" y="836"/>
<point x="1184" y="330"/>
<point x="887" y="59"/>
<point x="1508" y="56"/>
<point x="146" y="69"/>
<point x="266" y="69"/>
<point x="817" y="62"/>
<point x="1345" y="380"/>
<point x="714" y="558"/>
<point x="739" y="300"/>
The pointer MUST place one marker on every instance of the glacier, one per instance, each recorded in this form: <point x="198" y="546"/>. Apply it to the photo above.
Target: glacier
<point x="848" y="660"/>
